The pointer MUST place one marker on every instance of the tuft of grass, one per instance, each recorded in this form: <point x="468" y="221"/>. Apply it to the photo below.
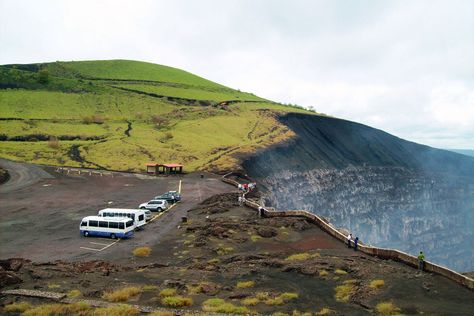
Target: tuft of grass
<point x="149" y="288"/>
<point x="340" y="272"/>
<point x="17" y="307"/>
<point x="177" y="301"/>
<point x="142" y="252"/>
<point x="323" y="273"/>
<point x="255" y="238"/>
<point x="93" y="119"/>
<point x="79" y="308"/>
<point x="74" y="294"/>
<point x="250" y="301"/>
<point x="168" y="292"/>
<point x="213" y="261"/>
<point x="386" y="309"/>
<point x="282" y="298"/>
<point x="53" y="142"/>
<point x="52" y="286"/>
<point x="324" y="312"/>
<point x="262" y="296"/>
<point x="122" y="295"/>
<point x="221" y="251"/>
<point x="218" y="305"/>
<point x="162" y="313"/>
<point x="116" y="310"/>
<point x="377" y="284"/>
<point x="299" y="256"/>
<point x="344" y="292"/>
<point x="245" y="284"/>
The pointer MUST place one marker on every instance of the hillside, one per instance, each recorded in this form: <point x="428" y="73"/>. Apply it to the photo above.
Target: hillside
<point x="120" y="114"/>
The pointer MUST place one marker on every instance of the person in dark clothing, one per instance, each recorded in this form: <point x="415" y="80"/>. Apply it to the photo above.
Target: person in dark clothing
<point x="356" y="243"/>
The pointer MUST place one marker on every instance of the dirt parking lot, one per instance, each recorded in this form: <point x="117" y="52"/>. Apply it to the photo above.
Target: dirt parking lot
<point x="41" y="209"/>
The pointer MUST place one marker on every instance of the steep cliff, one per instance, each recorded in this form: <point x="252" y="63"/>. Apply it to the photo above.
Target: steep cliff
<point x="388" y="191"/>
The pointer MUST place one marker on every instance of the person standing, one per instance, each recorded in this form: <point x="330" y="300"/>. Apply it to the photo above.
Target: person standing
<point x="421" y="261"/>
<point x="349" y="239"/>
<point x="356" y="243"/>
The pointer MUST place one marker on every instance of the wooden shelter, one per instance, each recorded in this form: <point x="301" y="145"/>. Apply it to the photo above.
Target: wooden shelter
<point x="167" y="168"/>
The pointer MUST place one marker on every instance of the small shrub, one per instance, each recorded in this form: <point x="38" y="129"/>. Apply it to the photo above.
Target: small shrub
<point x="299" y="256"/>
<point x="53" y="286"/>
<point x="176" y="301"/>
<point x="168" y="292"/>
<point x="116" y="310"/>
<point x="17" y="307"/>
<point x="194" y="289"/>
<point x="344" y="292"/>
<point x="340" y="272"/>
<point x="166" y="137"/>
<point x="281" y="299"/>
<point x="274" y="301"/>
<point x="93" y="119"/>
<point x="150" y="288"/>
<point x="280" y="314"/>
<point x="213" y="261"/>
<point x="386" y="309"/>
<point x="245" y="284"/>
<point x="74" y="294"/>
<point x="250" y="301"/>
<point x="53" y="142"/>
<point x="323" y="273"/>
<point x="377" y="284"/>
<point x="142" y="252"/>
<point x="122" y="295"/>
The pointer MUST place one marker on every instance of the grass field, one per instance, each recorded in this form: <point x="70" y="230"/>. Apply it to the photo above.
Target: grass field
<point x="96" y="125"/>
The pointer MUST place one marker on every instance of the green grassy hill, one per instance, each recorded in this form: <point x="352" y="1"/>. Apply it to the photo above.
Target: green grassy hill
<point x="120" y="114"/>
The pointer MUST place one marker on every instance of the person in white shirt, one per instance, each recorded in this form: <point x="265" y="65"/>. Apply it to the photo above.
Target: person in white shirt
<point x="349" y="239"/>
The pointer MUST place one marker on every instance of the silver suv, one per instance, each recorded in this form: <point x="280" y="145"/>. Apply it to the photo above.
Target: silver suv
<point x="155" y="205"/>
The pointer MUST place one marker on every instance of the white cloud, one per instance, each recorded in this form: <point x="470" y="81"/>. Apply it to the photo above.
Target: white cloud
<point x="402" y="66"/>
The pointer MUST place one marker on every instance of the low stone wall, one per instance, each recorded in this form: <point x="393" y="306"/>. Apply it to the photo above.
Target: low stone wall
<point x="384" y="253"/>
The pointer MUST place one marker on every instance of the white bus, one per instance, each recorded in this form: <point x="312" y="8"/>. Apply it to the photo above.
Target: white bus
<point x="138" y="216"/>
<point x="112" y="227"/>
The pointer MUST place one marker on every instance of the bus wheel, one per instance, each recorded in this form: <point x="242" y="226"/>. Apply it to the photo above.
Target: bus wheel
<point x="86" y="234"/>
<point x="113" y="236"/>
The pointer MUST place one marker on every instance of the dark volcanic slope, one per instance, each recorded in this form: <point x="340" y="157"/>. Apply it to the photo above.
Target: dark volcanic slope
<point x="325" y="142"/>
<point x="389" y="191"/>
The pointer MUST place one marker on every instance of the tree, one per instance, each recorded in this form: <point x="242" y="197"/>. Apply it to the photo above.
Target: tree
<point x="43" y="76"/>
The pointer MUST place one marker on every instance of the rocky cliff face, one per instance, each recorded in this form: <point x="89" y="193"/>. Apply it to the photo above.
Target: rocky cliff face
<point x="389" y="192"/>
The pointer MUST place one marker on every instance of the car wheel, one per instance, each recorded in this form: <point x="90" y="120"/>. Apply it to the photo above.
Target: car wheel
<point x="160" y="209"/>
<point x="113" y="236"/>
<point x="86" y="234"/>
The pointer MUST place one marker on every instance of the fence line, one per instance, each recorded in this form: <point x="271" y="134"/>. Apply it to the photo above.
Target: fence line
<point x="384" y="253"/>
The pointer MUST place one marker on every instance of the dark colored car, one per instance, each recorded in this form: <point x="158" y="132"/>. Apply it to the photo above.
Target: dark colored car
<point x="170" y="196"/>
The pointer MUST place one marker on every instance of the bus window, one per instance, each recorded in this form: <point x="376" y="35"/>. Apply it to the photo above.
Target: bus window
<point x="141" y="217"/>
<point x="132" y="216"/>
<point x="113" y="225"/>
<point x="121" y="226"/>
<point x="103" y="224"/>
<point x="83" y="223"/>
<point x="129" y="223"/>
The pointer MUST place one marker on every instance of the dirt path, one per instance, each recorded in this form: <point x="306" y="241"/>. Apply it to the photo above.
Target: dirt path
<point x="21" y="175"/>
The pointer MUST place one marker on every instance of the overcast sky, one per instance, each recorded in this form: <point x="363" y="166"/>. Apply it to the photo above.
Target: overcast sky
<point x="406" y="67"/>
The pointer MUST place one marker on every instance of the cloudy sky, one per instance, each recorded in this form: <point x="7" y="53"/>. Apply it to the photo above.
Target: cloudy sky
<point x="406" y="67"/>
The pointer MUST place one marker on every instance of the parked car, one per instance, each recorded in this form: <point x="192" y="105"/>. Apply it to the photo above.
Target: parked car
<point x="170" y="196"/>
<point x="155" y="205"/>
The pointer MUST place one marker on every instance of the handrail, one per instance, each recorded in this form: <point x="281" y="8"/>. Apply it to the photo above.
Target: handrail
<point x="384" y="253"/>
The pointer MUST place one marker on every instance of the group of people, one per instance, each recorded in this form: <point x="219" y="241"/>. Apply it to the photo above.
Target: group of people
<point x="421" y="256"/>
<point x="247" y="187"/>
<point x="350" y="241"/>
